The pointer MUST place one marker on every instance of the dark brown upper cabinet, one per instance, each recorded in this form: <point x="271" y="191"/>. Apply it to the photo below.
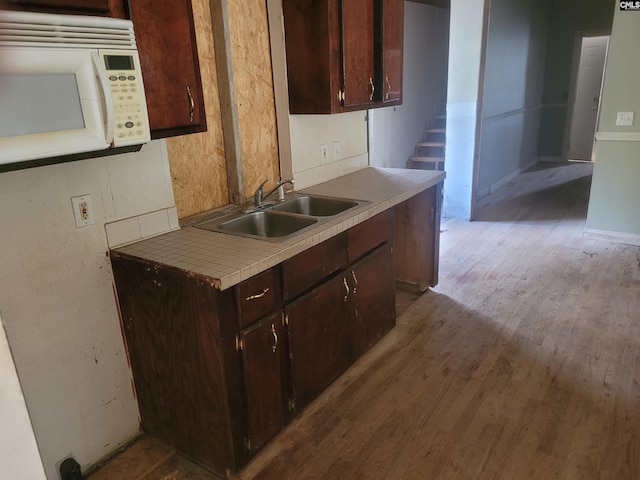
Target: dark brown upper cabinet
<point x="166" y="39"/>
<point x="343" y="55"/>
<point x="113" y="8"/>
<point x="358" y="53"/>
<point x="169" y="59"/>
<point x="392" y="34"/>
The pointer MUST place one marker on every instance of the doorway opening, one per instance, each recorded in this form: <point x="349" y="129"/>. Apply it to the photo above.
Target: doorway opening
<point x="589" y="62"/>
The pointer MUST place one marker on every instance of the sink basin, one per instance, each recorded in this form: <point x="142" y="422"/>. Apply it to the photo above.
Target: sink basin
<point x="265" y="224"/>
<point x="316" y="206"/>
<point x="276" y="222"/>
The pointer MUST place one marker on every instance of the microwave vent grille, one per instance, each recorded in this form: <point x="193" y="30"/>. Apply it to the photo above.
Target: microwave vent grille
<point x="67" y="31"/>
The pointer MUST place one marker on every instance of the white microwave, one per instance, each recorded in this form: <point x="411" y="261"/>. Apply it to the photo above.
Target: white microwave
<point x="69" y="84"/>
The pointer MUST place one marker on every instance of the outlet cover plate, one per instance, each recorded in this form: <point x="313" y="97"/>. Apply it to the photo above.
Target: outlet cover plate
<point x="83" y="210"/>
<point x="624" y="119"/>
<point x="324" y="153"/>
<point x="336" y="151"/>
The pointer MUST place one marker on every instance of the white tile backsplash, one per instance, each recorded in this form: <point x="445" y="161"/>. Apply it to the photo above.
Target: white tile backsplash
<point x="309" y="132"/>
<point x="148" y="225"/>
<point x="329" y="171"/>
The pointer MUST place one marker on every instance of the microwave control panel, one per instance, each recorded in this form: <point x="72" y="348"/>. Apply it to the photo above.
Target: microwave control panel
<point x="131" y="122"/>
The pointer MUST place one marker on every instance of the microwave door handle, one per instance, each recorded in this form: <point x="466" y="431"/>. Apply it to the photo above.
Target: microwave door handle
<point x="101" y="73"/>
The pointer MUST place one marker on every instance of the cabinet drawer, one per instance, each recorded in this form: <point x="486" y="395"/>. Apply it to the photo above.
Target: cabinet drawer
<point x="258" y="296"/>
<point x="313" y="265"/>
<point x="369" y="234"/>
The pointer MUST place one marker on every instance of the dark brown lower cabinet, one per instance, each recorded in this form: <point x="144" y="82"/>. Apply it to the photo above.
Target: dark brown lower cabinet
<point x="372" y="299"/>
<point x="219" y="373"/>
<point x="318" y="339"/>
<point x="181" y="341"/>
<point x="263" y="351"/>
<point x="417" y="239"/>
<point x="337" y="322"/>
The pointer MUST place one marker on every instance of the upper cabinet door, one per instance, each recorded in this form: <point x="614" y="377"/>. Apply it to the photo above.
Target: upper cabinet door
<point x="358" y="57"/>
<point x="101" y="6"/>
<point x="112" y="8"/>
<point x="169" y="59"/>
<point x="392" y="42"/>
<point x="337" y="59"/>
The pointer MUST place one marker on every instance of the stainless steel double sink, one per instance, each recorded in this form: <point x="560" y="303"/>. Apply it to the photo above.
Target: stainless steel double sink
<point x="278" y="221"/>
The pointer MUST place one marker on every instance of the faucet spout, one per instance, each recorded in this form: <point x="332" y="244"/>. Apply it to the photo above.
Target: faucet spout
<point x="259" y="196"/>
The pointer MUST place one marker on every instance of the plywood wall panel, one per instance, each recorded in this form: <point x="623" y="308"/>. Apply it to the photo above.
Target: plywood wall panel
<point x="253" y="78"/>
<point x="197" y="161"/>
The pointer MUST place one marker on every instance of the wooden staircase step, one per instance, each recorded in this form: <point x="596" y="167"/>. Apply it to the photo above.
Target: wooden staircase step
<point x="427" y="159"/>
<point x="430" y="152"/>
<point x="439" y="121"/>
<point x="433" y="135"/>
<point x="436" y="162"/>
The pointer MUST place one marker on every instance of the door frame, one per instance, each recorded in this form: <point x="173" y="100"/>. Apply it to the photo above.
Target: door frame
<point x="573" y="82"/>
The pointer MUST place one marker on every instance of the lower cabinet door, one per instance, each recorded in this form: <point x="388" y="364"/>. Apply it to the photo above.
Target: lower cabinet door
<point x="318" y="327"/>
<point x="372" y="299"/>
<point x="261" y="350"/>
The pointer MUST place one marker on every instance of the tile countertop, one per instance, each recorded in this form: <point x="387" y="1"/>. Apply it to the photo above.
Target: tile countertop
<point x="229" y="259"/>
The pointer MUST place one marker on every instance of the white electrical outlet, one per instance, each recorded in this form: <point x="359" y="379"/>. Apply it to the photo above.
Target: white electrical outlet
<point x="83" y="210"/>
<point x="624" y="119"/>
<point x="324" y="153"/>
<point x="336" y="150"/>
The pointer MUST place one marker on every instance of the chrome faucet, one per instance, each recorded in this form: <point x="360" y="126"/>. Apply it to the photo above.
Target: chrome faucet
<point x="259" y="196"/>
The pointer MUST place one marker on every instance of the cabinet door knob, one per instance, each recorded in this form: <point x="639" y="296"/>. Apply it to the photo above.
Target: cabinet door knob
<point x="373" y="89"/>
<point x="274" y="347"/>
<point x="258" y="295"/>
<point x="192" y="105"/>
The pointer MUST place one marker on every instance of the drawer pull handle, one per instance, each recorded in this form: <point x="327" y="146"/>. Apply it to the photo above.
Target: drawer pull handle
<point x="346" y="287"/>
<point x="386" y="95"/>
<point x="257" y="295"/>
<point x="274" y="347"/>
<point x="355" y="285"/>
<point x="373" y="89"/>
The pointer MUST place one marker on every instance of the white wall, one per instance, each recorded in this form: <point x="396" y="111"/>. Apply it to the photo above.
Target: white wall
<point x="568" y="19"/>
<point x="19" y="454"/>
<point x="301" y="136"/>
<point x="309" y="132"/>
<point x="396" y="130"/>
<point x="615" y="196"/>
<point x="463" y="93"/>
<point x="57" y="300"/>
<point x="512" y="96"/>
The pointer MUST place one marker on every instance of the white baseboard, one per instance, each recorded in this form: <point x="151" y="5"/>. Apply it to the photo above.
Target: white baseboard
<point x="618" y="136"/>
<point x="550" y="158"/>
<point x="480" y="194"/>
<point x="494" y="186"/>
<point x="616" y="237"/>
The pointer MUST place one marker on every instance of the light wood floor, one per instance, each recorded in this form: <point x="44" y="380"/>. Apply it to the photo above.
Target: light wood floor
<point x="523" y="363"/>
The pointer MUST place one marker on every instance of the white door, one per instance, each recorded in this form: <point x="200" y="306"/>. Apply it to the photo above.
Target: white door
<point x="587" y="101"/>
